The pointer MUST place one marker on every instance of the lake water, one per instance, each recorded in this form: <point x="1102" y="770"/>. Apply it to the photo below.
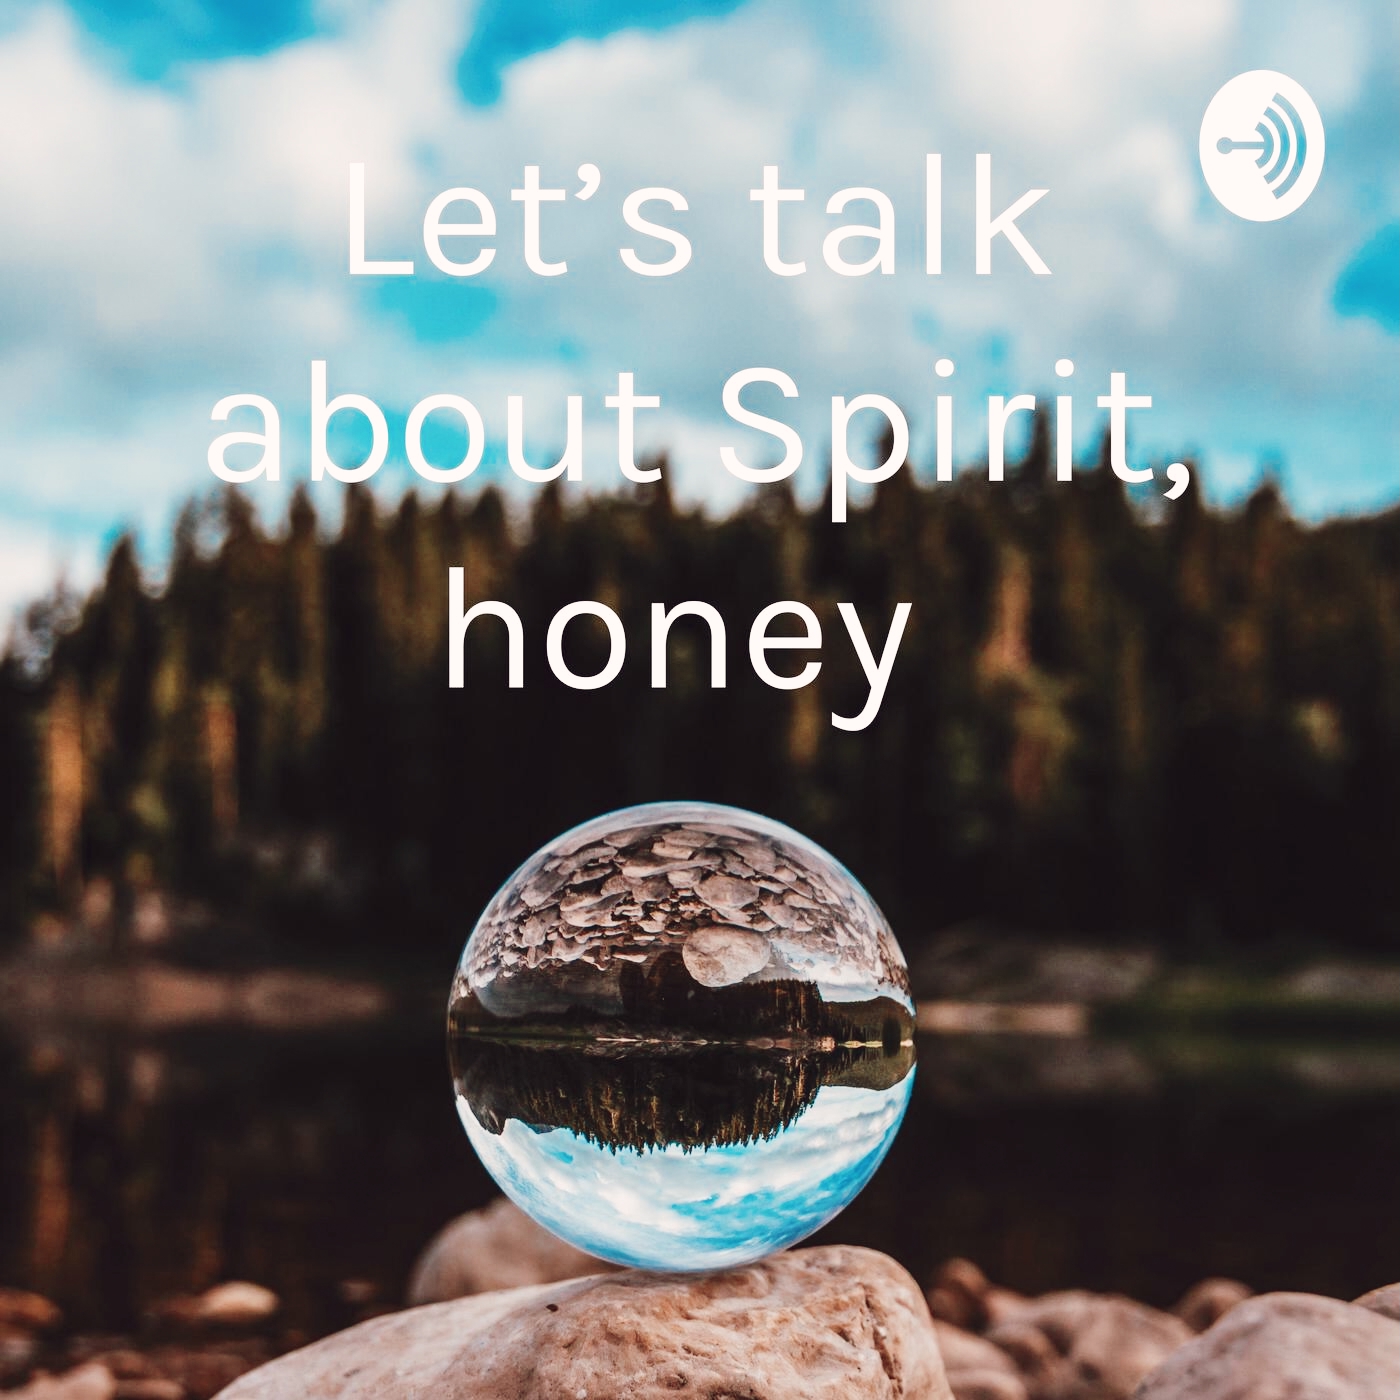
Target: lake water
<point x="132" y="1170"/>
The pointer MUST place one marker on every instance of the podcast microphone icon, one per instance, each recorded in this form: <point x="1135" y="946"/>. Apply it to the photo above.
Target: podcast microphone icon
<point x="1285" y="146"/>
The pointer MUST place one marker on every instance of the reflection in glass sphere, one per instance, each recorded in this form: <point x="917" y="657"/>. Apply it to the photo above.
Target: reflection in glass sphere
<point x="681" y="1036"/>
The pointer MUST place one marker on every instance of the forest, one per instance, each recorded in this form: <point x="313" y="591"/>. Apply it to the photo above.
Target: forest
<point x="1110" y="716"/>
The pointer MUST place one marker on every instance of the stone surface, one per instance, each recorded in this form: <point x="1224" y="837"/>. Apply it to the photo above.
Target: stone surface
<point x="961" y="1294"/>
<point x="965" y="1351"/>
<point x="28" y="1312"/>
<point x="605" y="893"/>
<point x="1205" y="1304"/>
<point x="227" y="1307"/>
<point x="150" y="1388"/>
<point x="198" y="1372"/>
<point x="91" y="1382"/>
<point x="986" y="1385"/>
<point x="1087" y="1346"/>
<point x="977" y="1370"/>
<point x="956" y="1294"/>
<point x="834" y="1323"/>
<point x="237" y="1304"/>
<point x="498" y="1247"/>
<point x="18" y="1352"/>
<point x="719" y="957"/>
<point x="1285" y="1346"/>
<point x="1385" y="1301"/>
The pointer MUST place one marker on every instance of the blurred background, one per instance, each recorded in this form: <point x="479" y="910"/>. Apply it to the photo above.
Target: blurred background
<point x="1132" y="801"/>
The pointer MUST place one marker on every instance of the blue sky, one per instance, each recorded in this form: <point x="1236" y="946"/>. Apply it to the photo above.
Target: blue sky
<point x="173" y="188"/>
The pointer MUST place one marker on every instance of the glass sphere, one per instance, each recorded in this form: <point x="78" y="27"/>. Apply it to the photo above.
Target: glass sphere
<point x="681" y="1036"/>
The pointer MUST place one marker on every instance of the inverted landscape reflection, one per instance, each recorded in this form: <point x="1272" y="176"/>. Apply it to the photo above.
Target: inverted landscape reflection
<point x="712" y="1207"/>
<point x="681" y="1037"/>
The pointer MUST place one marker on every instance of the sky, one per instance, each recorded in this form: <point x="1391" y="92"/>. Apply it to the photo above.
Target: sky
<point x="708" y="1208"/>
<point x="173" y="219"/>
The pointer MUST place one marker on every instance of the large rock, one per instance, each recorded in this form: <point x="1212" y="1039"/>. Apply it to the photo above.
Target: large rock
<point x="486" y="1250"/>
<point x="1285" y="1346"/>
<point x="1087" y="1346"/>
<point x="836" y="1323"/>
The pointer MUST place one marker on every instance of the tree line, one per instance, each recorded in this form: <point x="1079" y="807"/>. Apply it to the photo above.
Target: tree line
<point x="1106" y="717"/>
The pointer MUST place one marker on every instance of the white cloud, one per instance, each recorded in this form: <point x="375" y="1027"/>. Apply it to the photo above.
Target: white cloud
<point x="168" y="245"/>
<point x="32" y="560"/>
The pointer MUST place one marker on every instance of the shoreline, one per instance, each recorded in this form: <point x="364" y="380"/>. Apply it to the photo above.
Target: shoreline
<point x="1345" y="999"/>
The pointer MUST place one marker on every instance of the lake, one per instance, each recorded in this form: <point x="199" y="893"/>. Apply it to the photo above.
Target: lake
<point x="136" y="1168"/>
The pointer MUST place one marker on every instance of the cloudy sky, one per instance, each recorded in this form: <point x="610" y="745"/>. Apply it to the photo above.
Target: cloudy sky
<point x="705" y="1208"/>
<point x="173" y="219"/>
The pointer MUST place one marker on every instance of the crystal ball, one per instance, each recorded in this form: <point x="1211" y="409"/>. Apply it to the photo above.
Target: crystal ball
<point x="681" y="1036"/>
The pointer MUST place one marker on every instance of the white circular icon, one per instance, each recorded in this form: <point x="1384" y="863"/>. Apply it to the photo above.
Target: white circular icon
<point x="1262" y="145"/>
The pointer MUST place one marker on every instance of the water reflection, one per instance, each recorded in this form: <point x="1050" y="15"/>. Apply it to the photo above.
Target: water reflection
<point x="713" y="1155"/>
<point x="137" y="1169"/>
<point x="710" y="1206"/>
<point x="133" y="1168"/>
<point x="649" y="1096"/>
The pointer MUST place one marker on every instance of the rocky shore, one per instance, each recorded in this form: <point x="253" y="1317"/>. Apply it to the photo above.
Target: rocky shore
<point x="499" y="1310"/>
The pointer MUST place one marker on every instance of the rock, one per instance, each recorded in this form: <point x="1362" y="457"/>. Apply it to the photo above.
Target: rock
<point x="149" y="1388"/>
<point x="227" y="1307"/>
<point x="486" y="1250"/>
<point x="90" y="1382"/>
<point x="1064" y="1346"/>
<point x="125" y="1364"/>
<point x="28" y="1312"/>
<point x="1205" y="1304"/>
<point x="204" y="1371"/>
<point x="173" y="1370"/>
<point x="237" y="1304"/>
<point x="986" y="1385"/>
<point x="961" y="1294"/>
<point x="1028" y="1347"/>
<point x="1090" y="1346"/>
<point x="964" y="1351"/>
<point x="977" y="1370"/>
<point x="18" y="1351"/>
<point x="1001" y="1304"/>
<point x="720" y="956"/>
<point x="957" y="1294"/>
<point x="1385" y="1301"/>
<point x="358" y="1292"/>
<point x="834" y="1323"/>
<point x="1284" y="1346"/>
